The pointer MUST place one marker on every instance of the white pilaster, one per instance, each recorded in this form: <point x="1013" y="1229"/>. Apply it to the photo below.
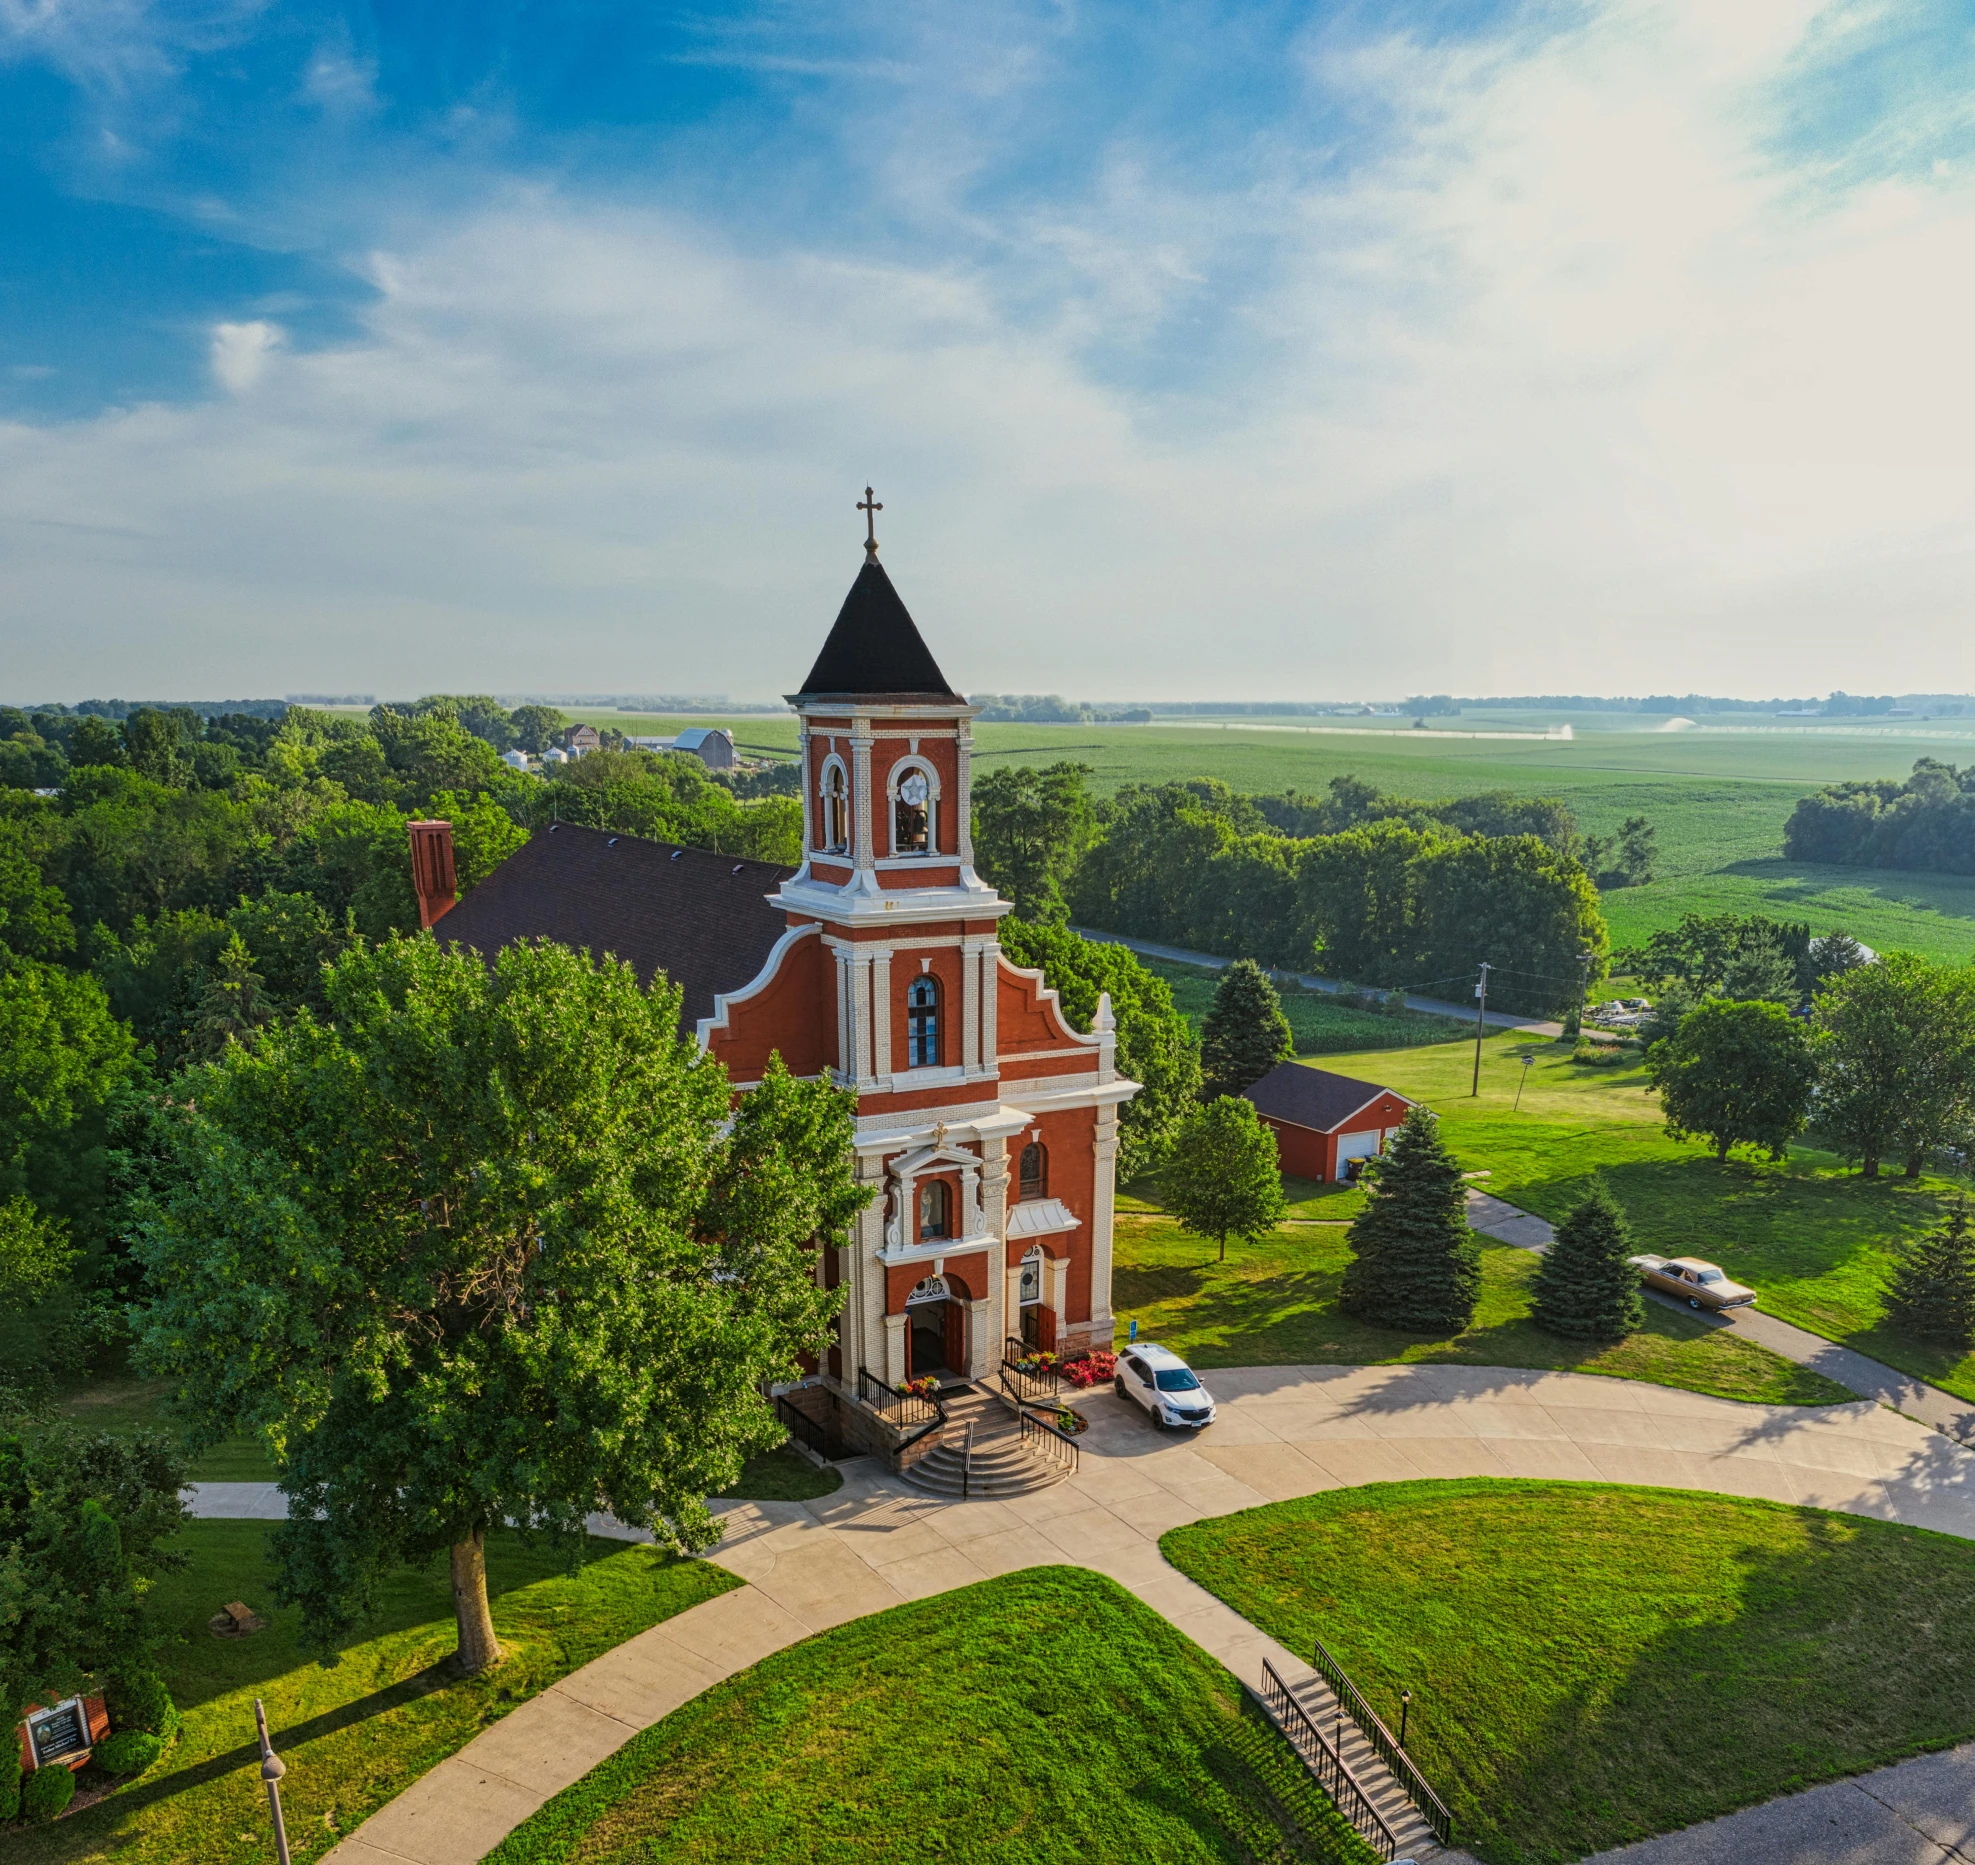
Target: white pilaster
<point x="1102" y="1212"/>
<point x="862" y="842"/>
<point x="970" y="1005"/>
<point x="881" y="1051"/>
<point x="963" y="804"/>
<point x="990" y="961"/>
<point x="894" y="1372"/>
<point x="860" y="1017"/>
<point x="994" y="1221"/>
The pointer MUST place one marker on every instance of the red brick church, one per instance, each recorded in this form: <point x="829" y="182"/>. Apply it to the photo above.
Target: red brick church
<point x="988" y="1124"/>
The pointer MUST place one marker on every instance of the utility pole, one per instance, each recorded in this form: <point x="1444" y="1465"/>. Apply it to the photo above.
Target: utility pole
<point x="1583" y="985"/>
<point x="1480" y="1024"/>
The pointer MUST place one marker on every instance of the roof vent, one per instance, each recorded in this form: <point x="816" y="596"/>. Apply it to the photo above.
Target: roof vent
<point x="554" y="826"/>
<point x="677" y="852"/>
<point x="612" y="843"/>
<point x="739" y="865"/>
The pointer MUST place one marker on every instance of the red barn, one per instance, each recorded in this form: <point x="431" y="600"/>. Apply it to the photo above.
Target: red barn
<point x="1322" y="1122"/>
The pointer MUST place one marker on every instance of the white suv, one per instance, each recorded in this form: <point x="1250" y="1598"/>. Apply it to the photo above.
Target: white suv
<point x="1158" y="1379"/>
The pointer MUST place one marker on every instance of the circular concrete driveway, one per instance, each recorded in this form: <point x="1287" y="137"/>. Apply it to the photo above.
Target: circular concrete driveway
<point x="1282" y="1432"/>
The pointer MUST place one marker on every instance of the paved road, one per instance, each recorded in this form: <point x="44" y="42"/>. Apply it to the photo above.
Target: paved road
<point x="1439" y="1007"/>
<point x="1869" y="1378"/>
<point x="1283" y="1431"/>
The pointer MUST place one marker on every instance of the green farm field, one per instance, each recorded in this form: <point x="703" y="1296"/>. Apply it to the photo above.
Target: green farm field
<point x="1718" y="798"/>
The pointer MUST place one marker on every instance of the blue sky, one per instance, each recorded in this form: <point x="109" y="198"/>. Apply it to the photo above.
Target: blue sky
<point x="1193" y="348"/>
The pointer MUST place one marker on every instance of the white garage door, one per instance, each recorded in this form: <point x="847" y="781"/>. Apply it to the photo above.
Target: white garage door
<point x="1355" y="1146"/>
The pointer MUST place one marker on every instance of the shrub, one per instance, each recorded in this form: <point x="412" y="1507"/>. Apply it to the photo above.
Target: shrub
<point x="139" y="1700"/>
<point x="47" y="1792"/>
<point x="128" y="1751"/>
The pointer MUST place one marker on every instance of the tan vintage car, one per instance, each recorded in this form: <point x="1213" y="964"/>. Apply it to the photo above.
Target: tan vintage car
<point x="1699" y="1284"/>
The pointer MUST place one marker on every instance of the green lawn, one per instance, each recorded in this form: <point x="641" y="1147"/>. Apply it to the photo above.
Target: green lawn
<point x="1593" y="1664"/>
<point x="1046" y="1716"/>
<point x="1275" y="1304"/>
<point x="1814" y="1239"/>
<point x="1320" y="1024"/>
<point x="360" y="1729"/>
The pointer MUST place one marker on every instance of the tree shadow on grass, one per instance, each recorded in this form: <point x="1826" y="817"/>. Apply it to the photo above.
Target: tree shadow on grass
<point x="1845" y="1653"/>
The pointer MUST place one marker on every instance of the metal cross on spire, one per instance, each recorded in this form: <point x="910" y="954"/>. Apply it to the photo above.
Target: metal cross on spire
<point x="870" y="507"/>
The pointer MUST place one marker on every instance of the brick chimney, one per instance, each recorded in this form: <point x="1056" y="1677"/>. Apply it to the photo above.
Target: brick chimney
<point x="432" y="870"/>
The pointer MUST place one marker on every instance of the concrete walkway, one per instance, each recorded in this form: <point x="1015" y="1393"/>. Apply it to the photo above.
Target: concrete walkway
<point x="1870" y="1379"/>
<point x="1283" y="1432"/>
<point x="1436" y="1006"/>
<point x="1921" y="1812"/>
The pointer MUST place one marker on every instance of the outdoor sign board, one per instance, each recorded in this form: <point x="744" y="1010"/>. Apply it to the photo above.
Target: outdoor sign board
<point x="59" y="1733"/>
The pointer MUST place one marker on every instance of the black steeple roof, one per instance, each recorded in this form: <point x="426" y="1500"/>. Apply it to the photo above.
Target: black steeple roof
<point x="875" y="650"/>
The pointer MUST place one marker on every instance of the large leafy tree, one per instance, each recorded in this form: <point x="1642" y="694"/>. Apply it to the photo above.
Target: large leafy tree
<point x="1415" y="1263"/>
<point x="1155" y="1047"/>
<point x="1586" y="1286"/>
<point x="1029" y="827"/>
<point x="1223" y="1179"/>
<point x="1896" y="1061"/>
<point x="1244" y="1033"/>
<point x="486" y="1247"/>
<point x="1737" y="1073"/>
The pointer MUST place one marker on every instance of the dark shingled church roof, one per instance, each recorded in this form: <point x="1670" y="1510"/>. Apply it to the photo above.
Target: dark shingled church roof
<point x="698" y="917"/>
<point x="875" y="649"/>
<point x="1312" y="1097"/>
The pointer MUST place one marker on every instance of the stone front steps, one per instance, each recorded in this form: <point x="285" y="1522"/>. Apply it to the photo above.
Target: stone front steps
<point x="1001" y="1465"/>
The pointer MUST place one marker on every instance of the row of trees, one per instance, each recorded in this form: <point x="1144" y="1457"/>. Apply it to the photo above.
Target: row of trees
<point x="1385" y="902"/>
<point x="1927" y="822"/>
<point x="1882" y="1070"/>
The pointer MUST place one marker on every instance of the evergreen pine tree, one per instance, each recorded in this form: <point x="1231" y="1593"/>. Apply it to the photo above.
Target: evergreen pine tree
<point x="234" y="1003"/>
<point x="1417" y="1265"/>
<point x="1585" y="1287"/>
<point x="1933" y="1292"/>
<point x="1245" y="1034"/>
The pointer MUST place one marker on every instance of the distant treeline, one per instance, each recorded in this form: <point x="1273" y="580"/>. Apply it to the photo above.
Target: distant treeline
<point x="1405" y="898"/>
<point x="1927" y="823"/>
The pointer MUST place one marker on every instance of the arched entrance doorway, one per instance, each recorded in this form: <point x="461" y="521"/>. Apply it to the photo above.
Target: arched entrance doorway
<point x="935" y="1331"/>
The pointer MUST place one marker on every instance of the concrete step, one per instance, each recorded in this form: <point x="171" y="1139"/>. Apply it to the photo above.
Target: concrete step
<point x="1395" y="1806"/>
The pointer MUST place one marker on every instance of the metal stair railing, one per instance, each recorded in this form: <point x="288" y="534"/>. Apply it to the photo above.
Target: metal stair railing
<point x="1036" y="1398"/>
<point x="1385" y="1745"/>
<point x="1326" y="1765"/>
<point x="915" y="1414"/>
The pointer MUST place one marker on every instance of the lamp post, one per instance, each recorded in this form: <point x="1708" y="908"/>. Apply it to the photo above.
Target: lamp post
<point x="272" y="1769"/>
<point x="1405" y="1709"/>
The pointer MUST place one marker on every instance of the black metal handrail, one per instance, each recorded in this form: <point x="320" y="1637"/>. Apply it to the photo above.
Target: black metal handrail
<point x="1030" y="1386"/>
<point x="806" y="1430"/>
<point x="1046" y="1439"/>
<point x="1329" y="1768"/>
<point x="914" y="1413"/>
<point x="1385" y="1745"/>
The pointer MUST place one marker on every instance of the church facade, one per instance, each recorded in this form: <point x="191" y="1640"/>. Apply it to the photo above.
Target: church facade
<point x="985" y="1124"/>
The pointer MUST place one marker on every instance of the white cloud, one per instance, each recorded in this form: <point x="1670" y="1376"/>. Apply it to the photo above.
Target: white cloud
<point x="1585" y="383"/>
<point x="241" y="352"/>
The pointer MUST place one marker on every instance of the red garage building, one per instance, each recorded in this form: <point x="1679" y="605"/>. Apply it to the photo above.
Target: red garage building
<point x="1322" y="1122"/>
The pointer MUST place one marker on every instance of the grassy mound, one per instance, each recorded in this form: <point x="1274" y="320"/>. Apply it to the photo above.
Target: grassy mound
<point x="1594" y="1664"/>
<point x="1040" y="1717"/>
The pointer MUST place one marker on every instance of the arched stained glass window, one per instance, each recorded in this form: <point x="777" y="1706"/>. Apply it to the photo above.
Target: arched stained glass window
<point x="922" y="1044"/>
<point x="1034" y="1173"/>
